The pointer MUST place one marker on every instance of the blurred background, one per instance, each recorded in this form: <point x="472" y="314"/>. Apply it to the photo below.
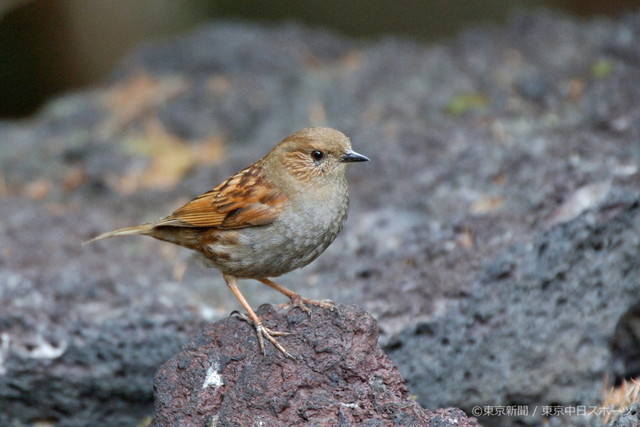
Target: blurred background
<point x="53" y="46"/>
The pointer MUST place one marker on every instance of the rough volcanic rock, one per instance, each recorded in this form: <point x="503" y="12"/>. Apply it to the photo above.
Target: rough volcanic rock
<point x="629" y="418"/>
<point x="539" y="324"/>
<point x="340" y="376"/>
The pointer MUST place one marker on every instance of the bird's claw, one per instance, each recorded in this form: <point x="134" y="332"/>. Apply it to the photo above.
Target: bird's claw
<point x="265" y="333"/>
<point x="303" y="303"/>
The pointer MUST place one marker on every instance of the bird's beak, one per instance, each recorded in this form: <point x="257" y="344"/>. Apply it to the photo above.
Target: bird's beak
<point x="351" y="156"/>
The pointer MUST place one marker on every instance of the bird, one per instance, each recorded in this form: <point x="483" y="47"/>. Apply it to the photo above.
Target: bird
<point x="271" y="218"/>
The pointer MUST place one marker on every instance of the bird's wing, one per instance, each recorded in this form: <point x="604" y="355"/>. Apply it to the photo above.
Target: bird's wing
<point x="244" y="200"/>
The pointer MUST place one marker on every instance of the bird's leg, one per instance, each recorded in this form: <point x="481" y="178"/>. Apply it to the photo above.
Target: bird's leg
<point x="296" y="299"/>
<point x="253" y="318"/>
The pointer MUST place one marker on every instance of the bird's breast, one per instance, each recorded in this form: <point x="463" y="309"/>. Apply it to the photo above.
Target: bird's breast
<point x="300" y="234"/>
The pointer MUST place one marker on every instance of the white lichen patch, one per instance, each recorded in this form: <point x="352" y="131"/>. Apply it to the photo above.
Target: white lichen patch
<point x="213" y="377"/>
<point x="350" y="405"/>
<point x="39" y="348"/>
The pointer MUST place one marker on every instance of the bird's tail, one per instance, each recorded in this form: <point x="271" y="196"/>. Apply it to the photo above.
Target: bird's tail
<point x="138" y="229"/>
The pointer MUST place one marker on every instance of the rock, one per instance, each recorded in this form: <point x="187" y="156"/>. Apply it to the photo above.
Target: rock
<point x="341" y="377"/>
<point x="541" y="324"/>
<point x="629" y="418"/>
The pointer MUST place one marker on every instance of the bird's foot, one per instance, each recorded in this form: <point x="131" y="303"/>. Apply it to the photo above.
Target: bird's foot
<point x="265" y="333"/>
<point x="303" y="303"/>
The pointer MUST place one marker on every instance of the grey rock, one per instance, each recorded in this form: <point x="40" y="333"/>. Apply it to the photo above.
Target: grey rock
<point x="540" y="332"/>
<point x="629" y="418"/>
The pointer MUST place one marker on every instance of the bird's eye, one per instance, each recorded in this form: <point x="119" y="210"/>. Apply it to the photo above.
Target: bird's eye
<point x="317" y="155"/>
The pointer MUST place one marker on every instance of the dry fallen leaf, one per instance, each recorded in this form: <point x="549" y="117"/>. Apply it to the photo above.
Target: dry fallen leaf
<point x="136" y="98"/>
<point x="466" y="238"/>
<point x="617" y="399"/>
<point x="486" y="205"/>
<point x="170" y="158"/>
<point x="576" y="89"/>
<point x="500" y="179"/>
<point x="583" y="198"/>
<point x="38" y="189"/>
<point x="73" y="179"/>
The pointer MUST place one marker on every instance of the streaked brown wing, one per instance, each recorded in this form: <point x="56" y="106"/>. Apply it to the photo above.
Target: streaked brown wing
<point x="244" y="200"/>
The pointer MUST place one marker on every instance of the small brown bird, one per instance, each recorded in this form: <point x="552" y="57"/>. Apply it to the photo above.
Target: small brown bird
<point x="275" y="216"/>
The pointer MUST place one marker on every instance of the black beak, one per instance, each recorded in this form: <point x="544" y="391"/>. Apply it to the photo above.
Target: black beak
<point x="351" y="156"/>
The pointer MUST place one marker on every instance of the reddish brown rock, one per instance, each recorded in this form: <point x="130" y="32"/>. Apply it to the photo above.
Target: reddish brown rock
<point x="341" y="377"/>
